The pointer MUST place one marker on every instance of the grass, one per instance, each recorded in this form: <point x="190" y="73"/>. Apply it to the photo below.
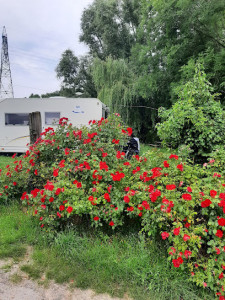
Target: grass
<point x="16" y="278"/>
<point x="32" y="271"/>
<point x="117" y="263"/>
<point x="5" y="160"/>
<point x="16" y="230"/>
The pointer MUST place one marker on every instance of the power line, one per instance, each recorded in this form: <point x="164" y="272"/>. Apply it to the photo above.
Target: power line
<point x="138" y="106"/>
<point x="26" y="54"/>
<point x="30" y="87"/>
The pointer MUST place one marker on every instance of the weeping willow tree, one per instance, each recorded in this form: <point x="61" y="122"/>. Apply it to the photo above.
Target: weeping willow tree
<point x="118" y="87"/>
<point x="113" y="82"/>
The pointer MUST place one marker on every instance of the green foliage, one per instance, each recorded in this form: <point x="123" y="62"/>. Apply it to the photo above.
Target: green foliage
<point x="109" y="27"/>
<point x="67" y="68"/>
<point x="196" y="119"/>
<point x="112" y="79"/>
<point x="170" y="34"/>
<point x="73" y="174"/>
<point x="34" y="96"/>
<point x="76" y="76"/>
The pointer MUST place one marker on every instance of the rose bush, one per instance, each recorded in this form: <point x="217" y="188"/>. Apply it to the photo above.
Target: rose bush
<point x="71" y="171"/>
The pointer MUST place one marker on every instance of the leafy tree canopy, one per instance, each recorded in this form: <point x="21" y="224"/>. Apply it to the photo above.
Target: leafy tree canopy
<point x="75" y="75"/>
<point x="109" y="27"/>
<point x="171" y="32"/>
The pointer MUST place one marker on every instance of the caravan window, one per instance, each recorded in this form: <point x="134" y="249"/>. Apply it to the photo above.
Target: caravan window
<point x="52" y="118"/>
<point x="17" y="119"/>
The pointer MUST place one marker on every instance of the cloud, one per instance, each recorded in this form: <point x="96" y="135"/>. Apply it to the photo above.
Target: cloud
<point x="38" y="32"/>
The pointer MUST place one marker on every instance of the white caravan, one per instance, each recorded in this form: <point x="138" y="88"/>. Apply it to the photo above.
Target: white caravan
<point x="14" y="117"/>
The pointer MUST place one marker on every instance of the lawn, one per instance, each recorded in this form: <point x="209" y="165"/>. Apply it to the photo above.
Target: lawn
<point x="115" y="263"/>
<point x="5" y="160"/>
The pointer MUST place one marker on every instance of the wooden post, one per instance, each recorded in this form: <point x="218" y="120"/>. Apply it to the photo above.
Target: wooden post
<point x="35" y="126"/>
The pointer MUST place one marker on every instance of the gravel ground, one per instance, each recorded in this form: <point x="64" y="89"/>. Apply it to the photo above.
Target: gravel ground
<point x="26" y="289"/>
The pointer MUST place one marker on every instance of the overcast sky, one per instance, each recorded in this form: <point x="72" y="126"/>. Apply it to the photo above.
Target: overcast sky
<point x="39" y="31"/>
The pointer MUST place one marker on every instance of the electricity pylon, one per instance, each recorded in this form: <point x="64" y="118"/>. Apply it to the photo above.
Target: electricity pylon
<point x="6" y="87"/>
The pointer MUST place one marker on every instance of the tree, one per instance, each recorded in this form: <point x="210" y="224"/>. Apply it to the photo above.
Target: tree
<point x="52" y="94"/>
<point x="34" y="96"/>
<point x="67" y="69"/>
<point x="172" y="32"/>
<point x="76" y="76"/>
<point x="84" y="81"/>
<point x="109" y="27"/>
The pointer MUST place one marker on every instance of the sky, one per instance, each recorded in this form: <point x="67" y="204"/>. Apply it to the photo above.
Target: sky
<point x="38" y="32"/>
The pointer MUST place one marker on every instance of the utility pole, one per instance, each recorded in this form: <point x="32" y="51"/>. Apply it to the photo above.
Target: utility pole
<point x="6" y="87"/>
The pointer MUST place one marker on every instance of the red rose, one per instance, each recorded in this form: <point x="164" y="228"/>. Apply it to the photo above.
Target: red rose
<point x="213" y="193"/>
<point x="170" y="187"/>
<point x="51" y="199"/>
<point x="107" y="197"/>
<point x="126" y="199"/>
<point x="221" y="222"/>
<point x="58" y="191"/>
<point x="180" y="167"/>
<point x="103" y="166"/>
<point x="176" y="263"/>
<point x="222" y="196"/>
<point x="130" y="208"/>
<point x="49" y="186"/>
<point x="206" y="203"/>
<point x="187" y="225"/>
<point x="67" y="151"/>
<point x="111" y="223"/>
<point x="173" y="156"/>
<point x="145" y="205"/>
<point x="129" y="130"/>
<point x="61" y="164"/>
<point x="176" y="231"/>
<point x="96" y="218"/>
<point x="79" y="185"/>
<point x="187" y="253"/>
<point x="62" y="207"/>
<point x="186" y="197"/>
<point x="189" y="189"/>
<point x="165" y="235"/>
<point x="219" y="233"/>
<point x="217" y="250"/>
<point x="221" y="275"/>
<point x="166" y="164"/>
<point x="186" y="237"/>
<point x="56" y="172"/>
<point x="69" y="209"/>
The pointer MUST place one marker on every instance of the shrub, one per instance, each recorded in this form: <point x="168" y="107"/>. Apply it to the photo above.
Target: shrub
<point x="196" y="119"/>
<point x="70" y="172"/>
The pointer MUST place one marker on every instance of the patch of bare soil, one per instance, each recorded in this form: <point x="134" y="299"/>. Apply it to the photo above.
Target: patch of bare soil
<point x="16" y="285"/>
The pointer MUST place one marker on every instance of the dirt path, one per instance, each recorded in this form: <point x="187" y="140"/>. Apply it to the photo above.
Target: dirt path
<point x="15" y="285"/>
